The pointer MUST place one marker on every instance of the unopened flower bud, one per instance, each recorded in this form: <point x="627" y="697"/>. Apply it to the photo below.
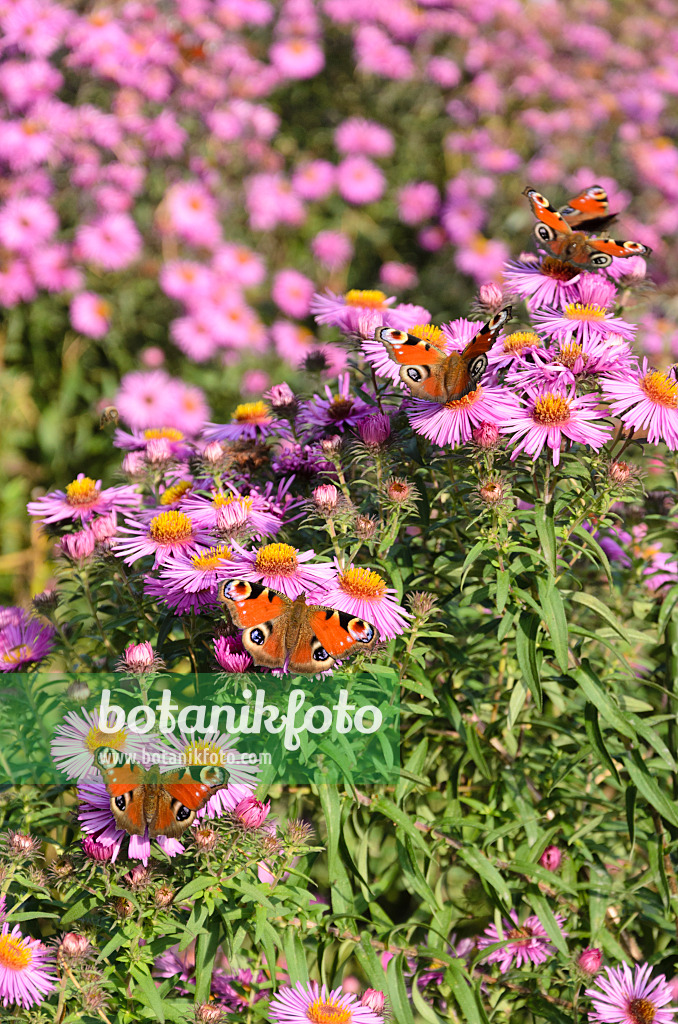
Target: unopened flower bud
<point x="589" y="961"/>
<point x="551" y="858"/>
<point x="105" y="527"/>
<point x="158" y="451"/>
<point x="251" y="813"/>
<point x="74" y="946"/>
<point x="20" y="845"/>
<point x="78" y="691"/>
<point x="421" y="604"/>
<point x="232" y="516"/>
<point x="138" y="878"/>
<point x="78" y="546"/>
<point x="163" y="896"/>
<point x="139" y="658"/>
<point x="316" y="361"/>
<point x="205" y="838"/>
<point x="299" y="832"/>
<point x="351" y="984"/>
<point x="281" y="397"/>
<point x="365" y="527"/>
<point x="231" y="655"/>
<point x="374" y="999"/>
<point x="96" y="851"/>
<point x="326" y="499"/>
<point x="620" y="472"/>
<point x="46" y="601"/>
<point x="375" y="430"/>
<point x="213" y="453"/>
<point x="123" y="908"/>
<point x="330" y="446"/>
<point x="486" y="435"/>
<point x="134" y="465"/>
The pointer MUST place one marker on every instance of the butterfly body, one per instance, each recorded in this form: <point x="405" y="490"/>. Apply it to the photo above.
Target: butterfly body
<point x="555" y="229"/>
<point x="282" y="633"/>
<point x="433" y="375"/>
<point x="162" y="803"/>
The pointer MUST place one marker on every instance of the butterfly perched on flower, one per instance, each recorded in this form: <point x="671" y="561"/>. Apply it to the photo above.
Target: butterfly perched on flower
<point x="434" y="375"/>
<point x="555" y="229"/>
<point x="164" y="803"/>
<point x="286" y="634"/>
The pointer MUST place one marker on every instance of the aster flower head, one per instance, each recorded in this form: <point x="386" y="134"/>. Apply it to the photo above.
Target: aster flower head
<point x="526" y="943"/>
<point x="82" y="499"/>
<point x="364" y="593"/>
<point x="551" y="414"/>
<point x="251" y="421"/>
<point x="645" y="399"/>
<point x="345" y="311"/>
<point x="165" y="534"/>
<point x="281" y="567"/>
<point x="569" y="360"/>
<point x="631" y="997"/>
<point x="299" y="1005"/>
<point x="79" y="736"/>
<point x="216" y="748"/>
<point x="583" y="320"/>
<point x="335" y="412"/>
<point x="230" y="513"/>
<point x="24" y="644"/>
<point x="545" y="282"/>
<point x="230" y="654"/>
<point x="26" y="968"/>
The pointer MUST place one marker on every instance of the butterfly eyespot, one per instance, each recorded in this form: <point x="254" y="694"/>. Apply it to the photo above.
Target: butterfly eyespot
<point x="361" y="631"/>
<point x="477" y="367"/>
<point x="183" y="813"/>
<point x="320" y="654"/>
<point x="634" y="246"/>
<point x="120" y="802"/>
<point x="601" y="260"/>
<point x="414" y="374"/>
<point x="544" y="233"/>
<point x="257" y="636"/>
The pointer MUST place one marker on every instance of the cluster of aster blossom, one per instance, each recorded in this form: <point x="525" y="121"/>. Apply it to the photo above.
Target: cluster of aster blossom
<point x="147" y="140"/>
<point x="24" y="639"/>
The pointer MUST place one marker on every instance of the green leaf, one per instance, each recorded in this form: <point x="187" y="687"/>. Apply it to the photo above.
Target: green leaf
<point x="457" y="979"/>
<point x="147" y="985"/>
<point x="395" y="989"/>
<point x="630" y="801"/>
<point x="649" y="788"/>
<point x="545" y="915"/>
<point x="483" y="867"/>
<point x="503" y="578"/>
<point x="596" y="738"/>
<point x="589" y="683"/>
<point x="546" y="531"/>
<point x="553" y="610"/>
<point x="295" y="957"/>
<point x="205" y="954"/>
<point x="526" y="652"/>
<point x="597" y="606"/>
<point x="195" y="886"/>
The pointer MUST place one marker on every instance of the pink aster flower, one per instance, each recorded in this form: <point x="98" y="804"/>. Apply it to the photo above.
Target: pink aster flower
<point x="571" y="360"/>
<point x="281" y="567"/>
<point x="645" y="399"/>
<point x="584" y="321"/>
<point x="82" y="499"/>
<point x="631" y="997"/>
<point x="79" y="736"/>
<point x="399" y="276"/>
<point x="335" y="412"/>
<point x="360" y="181"/>
<point x="292" y="293"/>
<point x="23" y="644"/>
<point x="239" y="264"/>
<point x="360" y="136"/>
<point x="332" y="248"/>
<point x="594" y="289"/>
<point x="298" y="1005"/>
<point x="167" y="533"/>
<point x="542" y="283"/>
<point x="525" y="944"/>
<point x="230" y="511"/>
<point x="231" y="655"/>
<point x="314" y="180"/>
<point x="297" y="57"/>
<point x="112" y="242"/>
<point x="364" y="593"/>
<point x="190" y="212"/>
<point x="251" y="421"/>
<point x="26" y="223"/>
<point x="348" y="311"/>
<point x="454" y="423"/>
<point x="549" y="415"/>
<point x="91" y="314"/>
<point x="25" y="968"/>
<point x="418" y="201"/>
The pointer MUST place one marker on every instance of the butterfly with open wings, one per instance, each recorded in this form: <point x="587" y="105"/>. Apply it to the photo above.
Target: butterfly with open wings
<point x="589" y="209"/>
<point x="434" y="375"/>
<point x="164" y="803"/>
<point x="293" y="635"/>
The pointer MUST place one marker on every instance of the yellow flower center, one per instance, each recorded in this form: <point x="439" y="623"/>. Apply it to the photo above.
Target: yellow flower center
<point x="519" y="340"/>
<point x="642" y="1011"/>
<point x="362" y="583"/>
<point x="584" y="311"/>
<point x="103" y="308"/>
<point x="467" y="400"/>
<point x="277" y="560"/>
<point x="202" y="754"/>
<point x="569" y="354"/>
<point x="660" y="389"/>
<point x="175" y="493"/>
<point x="168" y="433"/>
<point x="369" y="299"/>
<point x="96" y="738"/>
<point x="232" y="499"/>
<point x="252" y="412"/>
<point x="428" y="332"/>
<point x="550" y="410"/>
<point x="326" y="1011"/>
<point x="170" y="527"/>
<point x="82" y="492"/>
<point x="15" y="954"/>
<point x="15" y="655"/>
<point x="213" y="558"/>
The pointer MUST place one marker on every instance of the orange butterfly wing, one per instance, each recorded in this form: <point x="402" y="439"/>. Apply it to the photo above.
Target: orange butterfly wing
<point x="551" y="224"/>
<point x="465" y="371"/>
<point x="619" y="248"/>
<point x="263" y="616"/>
<point x="589" y="209"/>
<point x="327" y="635"/>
